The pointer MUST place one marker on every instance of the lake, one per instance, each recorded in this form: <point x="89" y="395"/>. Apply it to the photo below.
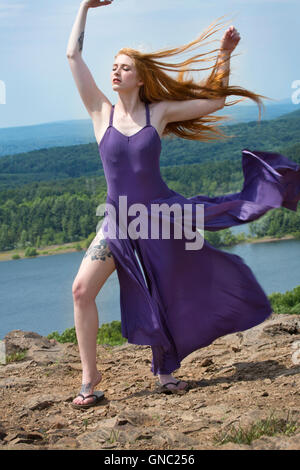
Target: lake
<point x="36" y="293"/>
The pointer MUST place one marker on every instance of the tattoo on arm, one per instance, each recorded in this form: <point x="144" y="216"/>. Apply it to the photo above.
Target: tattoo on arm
<point x="100" y="251"/>
<point x="80" y="41"/>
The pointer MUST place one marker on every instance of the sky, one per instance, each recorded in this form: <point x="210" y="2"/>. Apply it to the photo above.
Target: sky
<point x="36" y="84"/>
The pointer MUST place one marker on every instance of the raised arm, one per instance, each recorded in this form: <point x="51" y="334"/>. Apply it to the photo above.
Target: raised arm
<point x="91" y="96"/>
<point x="194" y="108"/>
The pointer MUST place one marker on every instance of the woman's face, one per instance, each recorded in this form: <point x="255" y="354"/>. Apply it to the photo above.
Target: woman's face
<point x="125" y="70"/>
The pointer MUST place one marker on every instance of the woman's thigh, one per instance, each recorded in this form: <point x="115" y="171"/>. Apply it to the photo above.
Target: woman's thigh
<point x="96" y="266"/>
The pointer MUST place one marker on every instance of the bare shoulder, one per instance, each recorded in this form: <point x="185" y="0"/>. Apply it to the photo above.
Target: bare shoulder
<point x="100" y="119"/>
<point x="102" y="112"/>
<point x="158" y="115"/>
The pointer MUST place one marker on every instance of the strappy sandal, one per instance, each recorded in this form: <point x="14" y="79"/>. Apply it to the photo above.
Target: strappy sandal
<point x="162" y="388"/>
<point x="98" y="397"/>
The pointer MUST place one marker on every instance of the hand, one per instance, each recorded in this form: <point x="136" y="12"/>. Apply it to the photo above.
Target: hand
<point x="230" y="39"/>
<point x="95" y="3"/>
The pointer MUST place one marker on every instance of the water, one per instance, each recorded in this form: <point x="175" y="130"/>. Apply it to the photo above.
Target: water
<point x="275" y="264"/>
<point x="36" y="293"/>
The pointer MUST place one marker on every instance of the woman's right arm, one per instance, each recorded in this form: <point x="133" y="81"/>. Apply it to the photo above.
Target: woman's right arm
<point x="91" y="96"/>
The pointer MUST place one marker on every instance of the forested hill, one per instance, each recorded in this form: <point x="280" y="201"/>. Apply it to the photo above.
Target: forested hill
<point x="51" y="195"/>
<point x="27" y="138"/>
<point x="83" y="160"/>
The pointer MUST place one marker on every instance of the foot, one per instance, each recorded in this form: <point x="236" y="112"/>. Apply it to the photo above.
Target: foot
<point x="87" y="388"/>
<point x="178" y="385"/>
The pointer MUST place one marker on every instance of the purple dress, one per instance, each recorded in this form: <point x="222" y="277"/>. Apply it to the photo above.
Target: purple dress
<point x="178" y="300"/>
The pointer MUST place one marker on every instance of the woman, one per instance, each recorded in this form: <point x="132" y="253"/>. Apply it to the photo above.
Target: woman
<point x="176" y="300"/>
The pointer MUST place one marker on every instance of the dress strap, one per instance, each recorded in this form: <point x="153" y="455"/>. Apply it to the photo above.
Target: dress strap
<point x="148" y="114"/>
<point x="111" y="115"/>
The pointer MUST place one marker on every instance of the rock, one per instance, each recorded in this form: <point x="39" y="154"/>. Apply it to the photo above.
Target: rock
<point x="15" y="382"/>
<point x="237" y="380"/>
<point x="206" y="362"/>
<point x="38" y="348"/>
<point x="291" y="327"/>
<point x="41" y="402"/>
<point x="2" y="432"/>
<point x="66" y="443"/>
<point x="57" y="422"/>
<point x="277" y="443"/>
<point x="24" y="437"/>
<point x="18" y="340"/>
<point x="196" y="426"/>
<point x="133" y="417"/>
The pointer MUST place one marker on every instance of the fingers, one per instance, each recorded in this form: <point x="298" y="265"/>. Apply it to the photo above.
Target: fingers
<point x="233" y="32"/>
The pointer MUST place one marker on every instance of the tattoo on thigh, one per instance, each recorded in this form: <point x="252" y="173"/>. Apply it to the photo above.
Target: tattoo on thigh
<point x="100" y="251"/>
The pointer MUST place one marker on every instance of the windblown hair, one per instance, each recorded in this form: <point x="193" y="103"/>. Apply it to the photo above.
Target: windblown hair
<point x="160" y="86"/>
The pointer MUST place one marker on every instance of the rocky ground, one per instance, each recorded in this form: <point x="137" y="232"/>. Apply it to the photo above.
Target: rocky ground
<point x="235" y="382"/>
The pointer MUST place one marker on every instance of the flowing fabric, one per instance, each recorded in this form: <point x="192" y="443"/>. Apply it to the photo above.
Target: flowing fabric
<point x="174" y="299"/>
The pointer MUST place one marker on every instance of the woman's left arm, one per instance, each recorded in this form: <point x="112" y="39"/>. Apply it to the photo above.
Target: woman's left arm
<point x="194" y="108"/>
<point x="229" y="42"/>
<point x="223" y="64"/>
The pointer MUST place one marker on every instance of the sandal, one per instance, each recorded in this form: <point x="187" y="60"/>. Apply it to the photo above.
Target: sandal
<point x="98" y="397"/>
<point x="162" y="388"/>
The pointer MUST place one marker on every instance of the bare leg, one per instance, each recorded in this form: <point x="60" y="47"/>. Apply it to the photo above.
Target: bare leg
<point x="97" y="265"/>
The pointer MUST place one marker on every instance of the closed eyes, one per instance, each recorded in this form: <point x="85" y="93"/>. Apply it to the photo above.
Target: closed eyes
<point x="114" y="68"/>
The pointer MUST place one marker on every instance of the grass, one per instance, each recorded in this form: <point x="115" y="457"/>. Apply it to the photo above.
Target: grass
<point x="265" y="427"/>
<point x="109" y="334"/>
<point x="113" y="437"/>
<point x="19" y="253"/>
<point x="17" y="356"/>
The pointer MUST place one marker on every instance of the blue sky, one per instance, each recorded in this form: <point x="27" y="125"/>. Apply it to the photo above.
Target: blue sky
<point x="34" y="36"/>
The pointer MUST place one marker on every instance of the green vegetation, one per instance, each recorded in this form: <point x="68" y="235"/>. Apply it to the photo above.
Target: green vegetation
<point x="30" y="251"/>
<point x="108" y="333"/>
<point x="50" y="196"/>
<point x="68" y="336"/>
<point x="63" y="163"/>
<point x="266" y="427"/>
<point x="111" y="333"/>
<point x="276" y="223"/>
<point x="45" y="220"/>
<point x="289" y="302"/>
<point x="224" y="238"/>
<point x="17" y="356"/>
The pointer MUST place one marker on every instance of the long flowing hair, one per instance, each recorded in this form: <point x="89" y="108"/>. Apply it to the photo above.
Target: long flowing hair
<point x="160" y="86"/>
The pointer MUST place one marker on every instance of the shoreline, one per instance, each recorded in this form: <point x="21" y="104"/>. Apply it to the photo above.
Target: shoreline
<point x="71" y="247"/>
<point x="44" y="251"/>
<point x="267" y="239"/>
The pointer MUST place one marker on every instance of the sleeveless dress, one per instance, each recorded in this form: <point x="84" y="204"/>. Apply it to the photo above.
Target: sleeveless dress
<point x="178" y="300"/>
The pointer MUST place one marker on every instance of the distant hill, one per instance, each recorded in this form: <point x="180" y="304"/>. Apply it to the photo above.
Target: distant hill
<point x="76" y="161"/>
<point x="248" y="113"/>
<point x="15" y="140"/>
<point x="49" y="196"/>
<point x="62" y="133"/>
